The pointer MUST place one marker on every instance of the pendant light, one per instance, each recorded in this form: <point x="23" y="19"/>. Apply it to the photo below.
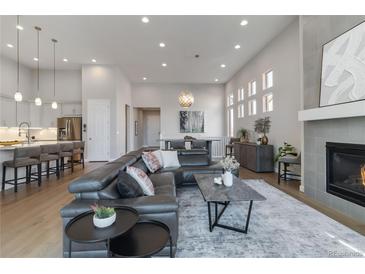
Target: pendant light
<point x="54" y="103"/>
<point x="38" y="100"/>
<point x="186" y="99"/>
<point x="18" y="97"/>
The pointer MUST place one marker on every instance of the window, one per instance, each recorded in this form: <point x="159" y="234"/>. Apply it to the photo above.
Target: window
<point x="241" y="94"/>
<point x="268" y="80"/>
<point x="251" y="88"/>
<point x="252" y="107"/>
<point x="230" y="119"/>
<point x="268" y="102"/>
<point x="241" y="111"/>
<point x="230" y="100"/>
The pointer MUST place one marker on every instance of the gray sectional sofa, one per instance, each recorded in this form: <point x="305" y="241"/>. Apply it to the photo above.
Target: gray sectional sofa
<point x="100" y="185"/>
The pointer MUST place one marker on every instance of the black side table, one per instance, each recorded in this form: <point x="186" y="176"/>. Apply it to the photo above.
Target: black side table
<point x="81" y="229"/>
<point x="145" y="239"/>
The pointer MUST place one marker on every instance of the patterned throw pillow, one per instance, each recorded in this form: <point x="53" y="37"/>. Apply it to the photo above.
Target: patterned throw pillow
<point x="142" y="179"/>
<point x="152" y="162"/>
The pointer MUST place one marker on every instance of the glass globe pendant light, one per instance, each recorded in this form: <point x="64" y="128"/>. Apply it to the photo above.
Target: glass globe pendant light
<point x="18" y="97"/>
<point x="54" y="103"/>
<point x="38" y="100"/>
<point x="186" y="99"/>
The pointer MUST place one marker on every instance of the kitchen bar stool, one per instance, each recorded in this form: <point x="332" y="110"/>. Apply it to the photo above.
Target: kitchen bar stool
<point x="23" y="157"/>
<point x="79" y="150"/>
<point x="67" y="151"/>
<point x="51" y="153"/>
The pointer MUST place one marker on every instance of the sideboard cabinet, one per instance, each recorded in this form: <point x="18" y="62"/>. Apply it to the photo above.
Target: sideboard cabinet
<point x="258" y="158"/>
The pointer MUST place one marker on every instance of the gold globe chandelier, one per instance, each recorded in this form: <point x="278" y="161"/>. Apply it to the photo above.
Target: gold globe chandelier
<point x="186" y="99"/>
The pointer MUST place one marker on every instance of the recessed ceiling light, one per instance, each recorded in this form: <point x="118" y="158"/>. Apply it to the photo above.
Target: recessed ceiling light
<point x="65" y="60"/>
<point x="164" y="64"/>
<point x="144" y="78"/>
<point x="9" y="45"/>
<point x="216" y="80"/>
<point x="35" y="59"/>
<point x="223" y="65"/>
<point x="145" y="20"/>
<point x="162" y="45"/>
<point x="244" y="23"/>
<point x="237" y="46"/>
<point x="93" y="60"/>
<point x="19" y="27"/>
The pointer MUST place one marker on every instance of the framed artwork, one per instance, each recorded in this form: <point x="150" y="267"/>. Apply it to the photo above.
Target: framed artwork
<point x="343" y="68"/>
<point x="191" y="121"/>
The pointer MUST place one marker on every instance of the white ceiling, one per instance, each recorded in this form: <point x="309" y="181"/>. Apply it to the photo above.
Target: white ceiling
<point x="134" y="46"/>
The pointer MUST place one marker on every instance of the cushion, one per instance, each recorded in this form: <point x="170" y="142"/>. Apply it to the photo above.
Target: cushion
<point x="170" y="158"/>
<point x="199" y="144"/>
<point x="152" y="162"/>
<point x="158" y="154"/>
<point x="187" y="145"/>
<point x="141" y="165"/>
<point x="142" y="179"/>
<point x="127" y="186"/>
<point x="177" y="144"/>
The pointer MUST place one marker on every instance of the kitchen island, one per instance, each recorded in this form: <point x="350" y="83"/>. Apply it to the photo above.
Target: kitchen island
<point x="7" y="153"/>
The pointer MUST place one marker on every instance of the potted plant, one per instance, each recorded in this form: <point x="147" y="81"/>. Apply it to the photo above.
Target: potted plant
<point x="229" y="164"/>
<point x="243" y="135"/>
<point x="262" y="126"/>
<point x="286" y="149"/>
<point x="104" y="216"/>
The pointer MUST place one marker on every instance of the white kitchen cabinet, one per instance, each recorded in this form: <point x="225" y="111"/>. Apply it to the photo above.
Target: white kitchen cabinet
<point x="71" y="109"/>
<point x="35" y="115"/>
<point x="23" y="112"/>
<point x="7" y="112"/>
<point x="49" y="116"/>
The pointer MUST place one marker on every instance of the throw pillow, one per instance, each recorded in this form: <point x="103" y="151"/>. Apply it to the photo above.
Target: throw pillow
<point x="142" y="179"/>
<point x="151" y="161"/>
<point x="158" y="154"/>
<point x="127" y="186"/>
<point x="170" y="158"/>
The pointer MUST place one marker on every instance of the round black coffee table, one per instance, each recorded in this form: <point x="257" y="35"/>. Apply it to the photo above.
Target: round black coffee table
<point x="81" y="229"/>
<point x="145" y="239"/>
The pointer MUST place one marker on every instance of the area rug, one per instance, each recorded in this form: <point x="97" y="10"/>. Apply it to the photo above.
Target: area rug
<point x="281" y="226"/>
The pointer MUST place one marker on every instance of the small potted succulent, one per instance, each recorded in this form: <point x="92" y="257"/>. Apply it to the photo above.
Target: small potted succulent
<point x="104" y="216"/>
<point x="229" y="164"/>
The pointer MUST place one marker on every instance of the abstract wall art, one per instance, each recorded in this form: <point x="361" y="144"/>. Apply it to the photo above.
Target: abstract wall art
<point x="343" y="68"/>
<point x="191" y="121"/>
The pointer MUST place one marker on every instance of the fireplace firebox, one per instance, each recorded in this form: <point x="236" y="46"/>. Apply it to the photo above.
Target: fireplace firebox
<point x="346" y="171"/>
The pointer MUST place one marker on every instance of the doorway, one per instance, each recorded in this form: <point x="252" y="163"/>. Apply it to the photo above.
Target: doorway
<point x="151" y="127"/>
<point x="127" y="127"/>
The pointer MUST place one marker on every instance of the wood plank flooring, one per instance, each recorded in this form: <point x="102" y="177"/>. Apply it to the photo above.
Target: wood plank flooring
<point x="30" y="224"/>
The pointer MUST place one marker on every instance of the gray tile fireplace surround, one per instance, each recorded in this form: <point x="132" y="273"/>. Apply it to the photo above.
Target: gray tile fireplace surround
<point x="316" y="134"/>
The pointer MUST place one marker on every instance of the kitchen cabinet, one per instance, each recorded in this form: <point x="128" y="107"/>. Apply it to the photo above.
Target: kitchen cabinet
<point x="7" y="112"/>
<point x="71" y="109"/>
<point x="35" y="115"/>
<point x="23" y="112"/>
<point x="49" y="116"/>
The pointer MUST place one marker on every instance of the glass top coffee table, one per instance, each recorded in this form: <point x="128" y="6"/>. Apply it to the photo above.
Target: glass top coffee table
<point x="220" y="195"/>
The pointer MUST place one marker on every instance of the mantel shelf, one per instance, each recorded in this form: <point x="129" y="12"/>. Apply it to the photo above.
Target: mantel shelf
<point x="354" y="109"/>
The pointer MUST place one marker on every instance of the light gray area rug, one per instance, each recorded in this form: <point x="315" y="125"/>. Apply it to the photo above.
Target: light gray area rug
<point x="281" y="226"/>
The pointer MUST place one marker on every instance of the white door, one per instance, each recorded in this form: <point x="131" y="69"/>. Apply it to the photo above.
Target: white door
<point x="98" y="130"/>
<point x="151" y="125"/>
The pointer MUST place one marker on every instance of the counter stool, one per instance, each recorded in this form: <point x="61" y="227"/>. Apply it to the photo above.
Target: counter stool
<point x="51" y="153"/>
<point x="287" y="161"/>
<point x="79" y="150"/>
<point x="23" y="157"/>
<point x="66" y="150"/>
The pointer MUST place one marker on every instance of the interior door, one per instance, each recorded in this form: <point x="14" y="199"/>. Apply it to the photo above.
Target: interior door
<point x="151" y="129"/>
<point x="98" y="133"/>
<point x="127" y="127"/>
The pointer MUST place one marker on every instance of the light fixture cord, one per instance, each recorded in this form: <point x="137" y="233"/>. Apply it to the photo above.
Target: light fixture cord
<point x="54" y="69"/>
<point x="17" y="52"/>
<point x="38" y="61"/>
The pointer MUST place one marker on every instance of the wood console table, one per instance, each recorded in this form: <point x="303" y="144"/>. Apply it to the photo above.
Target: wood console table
<point x="258" y="158"/>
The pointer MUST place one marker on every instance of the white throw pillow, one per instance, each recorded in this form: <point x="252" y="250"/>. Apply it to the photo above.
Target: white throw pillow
<point x="158" y="154"/>
<point x="170" y="158"/>
<point x="142" y="179"/>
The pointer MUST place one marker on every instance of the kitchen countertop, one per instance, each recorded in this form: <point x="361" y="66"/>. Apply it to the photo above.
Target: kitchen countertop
<point x="32" y="144"/>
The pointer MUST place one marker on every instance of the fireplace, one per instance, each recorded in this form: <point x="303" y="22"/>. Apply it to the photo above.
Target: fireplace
<point x="345" y="172"/>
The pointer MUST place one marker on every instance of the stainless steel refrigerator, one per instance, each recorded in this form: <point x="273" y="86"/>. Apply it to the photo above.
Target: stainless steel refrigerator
<point x="69" y="129"/>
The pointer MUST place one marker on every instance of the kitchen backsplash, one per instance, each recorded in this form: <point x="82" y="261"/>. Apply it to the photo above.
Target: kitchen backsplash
<point x="11" y="134"/>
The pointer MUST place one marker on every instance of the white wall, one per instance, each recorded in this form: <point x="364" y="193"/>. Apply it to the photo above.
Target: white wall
<point x="281" y="55"/>
<point x="208" y="98"/>
<point x="108" y="82"/>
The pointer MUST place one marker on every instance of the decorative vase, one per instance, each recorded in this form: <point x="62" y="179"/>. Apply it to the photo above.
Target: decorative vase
<point x="264" y="140"/>
<point x="105" y="222"/>
<point x="227" y="178"/>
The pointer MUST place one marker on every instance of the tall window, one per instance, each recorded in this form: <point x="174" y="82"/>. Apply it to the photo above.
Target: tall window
<point x="267" y="79"/>
<point x="252" y="107"/>
<point x="251" y="88"/>
<point x="241" y="110"/>
<point x="229" y="100"/>
<point x="268" y="102"/>
<point x="230" y="120"/>
<point x="241" y="94"/>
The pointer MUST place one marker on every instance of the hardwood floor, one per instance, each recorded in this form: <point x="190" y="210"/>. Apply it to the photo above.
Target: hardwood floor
<point x="31" y="225"/>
